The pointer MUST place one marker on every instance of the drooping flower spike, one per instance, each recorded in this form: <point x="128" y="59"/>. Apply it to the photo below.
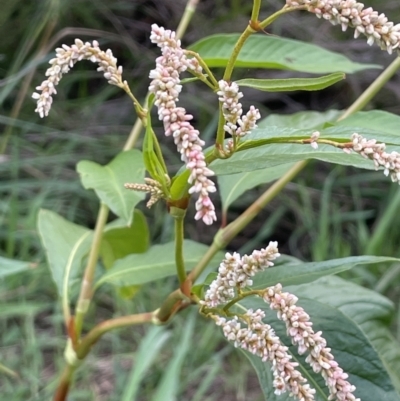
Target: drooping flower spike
<point x="166" y="87"/>
<point x="350" y="13"/>
<point x="260" y="339"/>
<point x="234" y="275"/>
<point x="66" y="58"/>
<point x="373" y="150"/>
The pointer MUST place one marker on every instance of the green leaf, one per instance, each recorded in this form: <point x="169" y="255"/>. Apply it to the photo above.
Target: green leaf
<point x="385" y="124"/>
<point x="267" y="51"/>
<point x="121" y="240"/>
<point x="152" y="156"/>
<point x="147" y="353"/>
<point x="292" y="84"/>
<point x="66" y="244"/>
<point x="275" y="154"/>
<point x="168" y="388"/>
<point x="157" y="263"/>
<point x="180" y="185"/>
<point x="198" y="289"/>
<point x="11" y="310"/>
<point x="266" y="147"/>
<point x="350" y="345"/>
<point x="232" y="186"/>
<point x="108" y="181"/>
<point x="304" y="119"/>
<point x="297" y="273"/>
<point x="11" y="266"/>
<point x="371" y="311"/>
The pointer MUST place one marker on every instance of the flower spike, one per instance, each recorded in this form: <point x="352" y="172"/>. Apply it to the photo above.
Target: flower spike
<point x="66" y="58"/>
<point x="350" y="13"/>
<point x="166" y="87"/>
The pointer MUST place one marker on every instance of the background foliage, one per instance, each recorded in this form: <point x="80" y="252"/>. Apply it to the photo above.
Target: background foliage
<point x="351" y="212"/>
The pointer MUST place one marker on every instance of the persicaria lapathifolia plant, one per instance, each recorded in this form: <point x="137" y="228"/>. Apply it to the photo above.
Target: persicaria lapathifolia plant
<point x="259" y="338"/>
<point x="240" y="147"/>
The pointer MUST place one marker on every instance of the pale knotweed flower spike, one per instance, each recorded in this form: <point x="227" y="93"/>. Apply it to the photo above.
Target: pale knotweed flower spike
<point x="234" y="275"/>
<point x="166" y="87"/>
<point x="236" y="124"/>
<point x="370" y="149"/>
<point x="66" y="57"/>
<point x="366" y="21"/>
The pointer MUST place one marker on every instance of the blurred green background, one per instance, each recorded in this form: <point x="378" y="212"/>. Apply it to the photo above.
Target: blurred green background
<point x="327" y="212"/>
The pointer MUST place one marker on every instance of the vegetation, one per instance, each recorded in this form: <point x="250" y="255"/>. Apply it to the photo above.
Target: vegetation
<point x="326" y="212"/>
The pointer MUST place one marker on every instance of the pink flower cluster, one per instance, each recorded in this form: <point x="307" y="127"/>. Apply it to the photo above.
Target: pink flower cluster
<point x="166" y="87"/>
<point x="366" y="21"/>
<point x="66" y="57"/>
<point x="260" y="339"/>
<point x="299" y="328"/>
<point x="235" y="272"/>
<point x="314" y="138"/>
<point x="370" y="149"/>
<point x="236" y="124"/>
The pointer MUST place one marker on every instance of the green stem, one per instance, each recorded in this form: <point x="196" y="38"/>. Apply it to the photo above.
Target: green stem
<point x="7" y="371"/>
<point x="373" y="89"/>
<point x="179" y="216"/>
<point x="117" y="323"/>
<point x="206" y="68"/>
<point x="174" y="302"/>
<point x="273" y="17"/>
<point x="87" y="282"/>
<point x="88" y="341"/>
<point x="236" y="50"/>
<point x="239" y="297"/>
<point x="256" y="11"/>
<point x="134" y="135"/>
<point x="157" y="149"/>
<point x="136" y="104"/>
<point x="220" y="132"/>
<point x="206" y="259"/>
<point x="190" y="9"/>
<point x="64" y="384"/>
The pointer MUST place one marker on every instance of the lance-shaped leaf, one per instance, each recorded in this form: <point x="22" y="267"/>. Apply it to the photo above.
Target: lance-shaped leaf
<point x="382" y="122"/>
<point x="268" y="147"/>
<point x="303" y="119"/>
<point x="350" y="344"/>
<point x="298" y="273"/>
<point x="157" y="263"/>
<point x="371" y="312"/>
<point x="267" y="51"/>
<point x="152" y="155"/>
<point x="232" y="186"/>
<point x="66" y="244"/>
<point x="277" y="154"/>
<point x="11" y="266"/>
<point x="108" y="181"/>
<point x="292" y="84"/>
<point x="120" y="240"/>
